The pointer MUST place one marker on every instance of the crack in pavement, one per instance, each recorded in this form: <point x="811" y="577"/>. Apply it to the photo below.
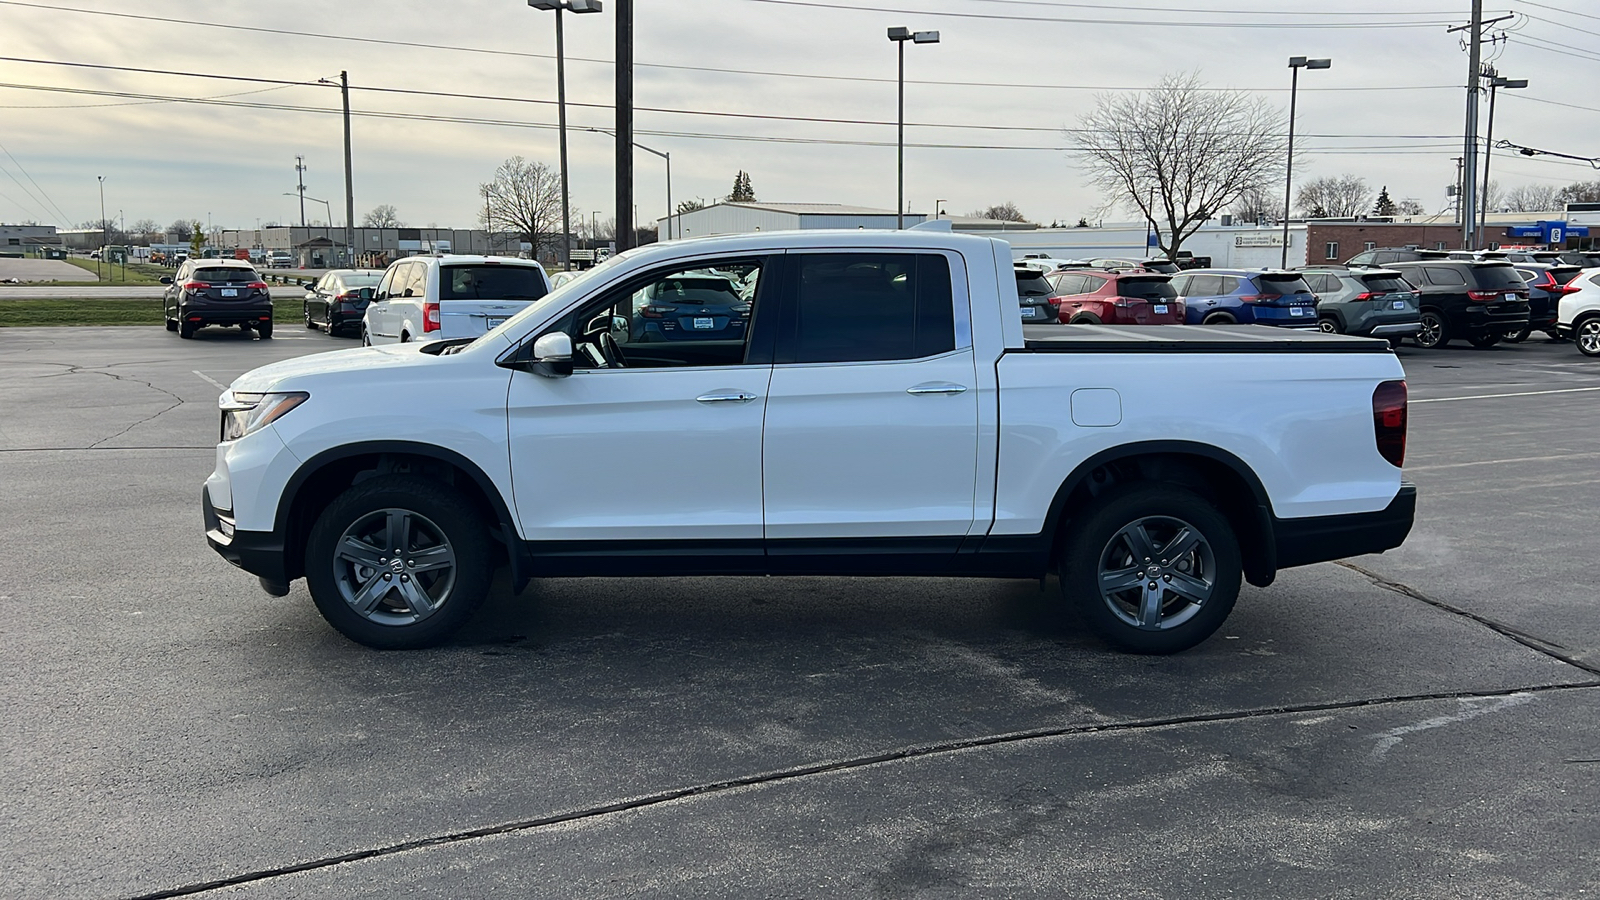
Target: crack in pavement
<point x="1531" y="641"/>
<point x="923" y="751"/>
<point x="83" y="370"/>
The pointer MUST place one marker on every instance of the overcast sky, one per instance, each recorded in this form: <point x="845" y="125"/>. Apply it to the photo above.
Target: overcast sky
<point x="1390" y="109"/>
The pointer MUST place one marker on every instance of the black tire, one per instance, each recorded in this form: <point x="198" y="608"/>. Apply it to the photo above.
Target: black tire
<point x="1100" y="538"/>
<point x="1484" y="340"/>
<point x="366" y="339"/>
<point x="264" y="329"/>
<point x="1586" y="335"/>
<point x="1517" y="337"/>
<point x="1085" y="319"/>
<point x="1219" y="319"/>
<point x="1329" y="325"/>
<point x="172" y="324"/>
<point x="185" y="330"/>
<point x="1435" y="331"/>
<point x="433" y="515"/>
<point x="309" y="323"/>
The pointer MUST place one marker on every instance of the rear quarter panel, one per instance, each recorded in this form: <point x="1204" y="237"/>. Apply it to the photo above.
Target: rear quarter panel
<point x="1301" y="422"/>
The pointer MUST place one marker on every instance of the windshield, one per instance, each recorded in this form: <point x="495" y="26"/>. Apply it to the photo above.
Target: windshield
<point x="490" y="281"/>
<point x="1148" y="287"/>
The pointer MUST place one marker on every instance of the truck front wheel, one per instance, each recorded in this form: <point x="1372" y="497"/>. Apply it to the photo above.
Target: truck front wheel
<point x="1153" y="567"/>
<point x="398" y="562"/>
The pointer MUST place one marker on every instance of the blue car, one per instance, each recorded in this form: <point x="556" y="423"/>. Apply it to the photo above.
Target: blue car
<point x="691" y="307"/>
<point x="1243" y="297"/>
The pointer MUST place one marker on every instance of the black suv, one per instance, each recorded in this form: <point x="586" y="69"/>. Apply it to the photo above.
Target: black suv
<point x="216" y="292"/>
<point x="1480" y="301"/>
<point x="1387" y="256"/>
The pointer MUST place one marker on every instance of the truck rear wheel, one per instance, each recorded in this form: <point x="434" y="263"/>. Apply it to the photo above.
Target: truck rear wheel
<point x="1153" y="567"/>
<point x="398" y="562"/>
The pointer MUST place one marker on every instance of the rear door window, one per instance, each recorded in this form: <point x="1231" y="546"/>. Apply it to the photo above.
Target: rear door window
<point x="859" y="307"/>
<point x="1229" y="285"/>
<point x="1069" y="284"/>
<point x="496" y="281"/>
<point x="1146" y="288"/>
<point x="1447" y="276"/>
<point x="1205" y="286"/>
<point x="1092" y="284"/>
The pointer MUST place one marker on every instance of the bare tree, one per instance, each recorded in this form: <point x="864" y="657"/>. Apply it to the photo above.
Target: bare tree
<point x="1530" y="198"/>
<point x="146" y="230"/>
<point x="1579" y="192"/>
<point x="1180" y="154"/>
<point x="384" y="215"/>
<point x="525" y="198"/>
<point x="1335" y="197"/>
<point x="1001" y="212"/>
<point x="183" y="229"/>
<point x="1256" y="206"/>
<point x="1409" y="207"/>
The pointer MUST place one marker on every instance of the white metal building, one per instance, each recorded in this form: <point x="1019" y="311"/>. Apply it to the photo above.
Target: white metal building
<point x="744" y="218"/>
<point x="1229" y="246"/>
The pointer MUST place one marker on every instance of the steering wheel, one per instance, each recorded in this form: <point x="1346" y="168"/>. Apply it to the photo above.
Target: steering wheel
<point x="610" y="350"/>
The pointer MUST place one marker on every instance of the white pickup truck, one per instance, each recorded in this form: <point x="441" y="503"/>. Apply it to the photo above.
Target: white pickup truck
<point x="864" y="403"/>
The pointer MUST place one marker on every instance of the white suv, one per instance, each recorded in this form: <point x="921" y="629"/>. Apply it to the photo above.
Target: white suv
<point x="431" y="298"/>
<point x="1578" y="312"/>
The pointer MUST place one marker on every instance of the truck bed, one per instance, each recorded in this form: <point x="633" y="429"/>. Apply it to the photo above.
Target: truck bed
<point x="1191" y="339"/>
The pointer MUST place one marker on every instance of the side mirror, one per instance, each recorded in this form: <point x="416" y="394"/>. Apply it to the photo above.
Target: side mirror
<point x="166" y="279"/>
<point x="364" y="294"/>
<point x="552" y="355"/>
<point x="308" y="285"/>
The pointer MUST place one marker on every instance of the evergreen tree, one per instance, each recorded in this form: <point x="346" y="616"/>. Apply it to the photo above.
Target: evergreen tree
<point x="1384" y="206"/>
<point x="742" y="191"/>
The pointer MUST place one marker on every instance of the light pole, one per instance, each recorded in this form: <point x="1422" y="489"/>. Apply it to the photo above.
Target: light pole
<point x="577" y="6"/>
<point x="1495" y="83"/>
<point x="938" y="208"/>
<point x="899" y="36"/>
<point x="664" y="155"/>
<point x="103" y="240"/>
<point x="1296" y="63"/>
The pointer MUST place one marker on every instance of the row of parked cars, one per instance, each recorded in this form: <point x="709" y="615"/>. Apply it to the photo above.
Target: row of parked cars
<point x="1433" y="297"/>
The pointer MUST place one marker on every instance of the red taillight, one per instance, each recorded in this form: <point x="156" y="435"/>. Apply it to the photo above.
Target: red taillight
<point x="195" y="285"/>
<point x="655" y="312"/>
<point x="1364" y="295"/>
<point x="347" y="295"/>
<point x="430" y="317"/>
<point x="258" y="285"/>
<point x="1389" y="421"/>
<point x="1257" y="298"/>
<point x="1483" y="296"/>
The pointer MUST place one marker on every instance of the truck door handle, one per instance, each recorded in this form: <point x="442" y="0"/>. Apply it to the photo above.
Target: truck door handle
<point x="726" y="397"/>
<point x="936" y="387"/>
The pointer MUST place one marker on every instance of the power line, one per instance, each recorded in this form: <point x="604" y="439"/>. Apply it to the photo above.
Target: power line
<point x="29" y="176"/>
<point x="1186" y="23"/>
<point x="1226" y="12"/>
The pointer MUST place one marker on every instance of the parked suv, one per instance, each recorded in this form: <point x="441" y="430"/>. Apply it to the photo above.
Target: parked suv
<point x="431" y="298"/>
<point x="280" y="259"/>
<point x="1479" y="301"/>
<point x="1116" y="298"/>
<point x="1384" y="256"/>
<point x="336" y="302"/>
<point x="1366" y="302"/>
<point x="1237" y="296"/>
<point x="1547" y="284"/>
<point x="1578" y="313"/>
<point x="1034" y="293"/>
<point x="216" y="292"/>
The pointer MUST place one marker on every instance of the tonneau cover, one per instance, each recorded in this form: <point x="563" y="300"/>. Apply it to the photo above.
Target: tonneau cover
<point x="1191" y="339"/>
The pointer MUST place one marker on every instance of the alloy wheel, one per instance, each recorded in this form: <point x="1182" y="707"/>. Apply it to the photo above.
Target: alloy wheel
<point x="1431" y="331"/>
<point x="1157" y="573"/>
<point x="394" y="567"/>
<point x="1588" y="337"/>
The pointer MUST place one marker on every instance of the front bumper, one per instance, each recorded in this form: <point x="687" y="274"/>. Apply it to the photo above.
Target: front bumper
<point x="257" y="552"/>
<point x="1301" y="542"/>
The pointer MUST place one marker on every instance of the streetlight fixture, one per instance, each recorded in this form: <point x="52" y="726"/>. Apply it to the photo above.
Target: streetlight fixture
<point x="664" y="155"/>
<point x="103" y="239"/>
<point x="1296" y="63"/>
<point x="559" y="6"/>
<point x="938" y="208"/>
<point x="1495" y="83"/>
<point x="899" y="36"/>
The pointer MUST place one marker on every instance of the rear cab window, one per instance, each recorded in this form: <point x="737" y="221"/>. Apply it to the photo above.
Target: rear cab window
<point x="861" y="307"/>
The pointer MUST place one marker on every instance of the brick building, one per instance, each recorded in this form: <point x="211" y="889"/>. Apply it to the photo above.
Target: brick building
<point x="1335" y="242"/>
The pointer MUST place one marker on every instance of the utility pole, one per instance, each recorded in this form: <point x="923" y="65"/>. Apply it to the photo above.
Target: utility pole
<point x="349" y="184"/>
<point x="300" y="176"/>
<point x="1456" y="207"/>
<point x="624" y="76"/>
<point x="1469" y="181"/>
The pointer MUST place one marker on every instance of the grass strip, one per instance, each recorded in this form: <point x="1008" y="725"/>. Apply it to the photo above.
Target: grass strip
<point x="37" y="313"/>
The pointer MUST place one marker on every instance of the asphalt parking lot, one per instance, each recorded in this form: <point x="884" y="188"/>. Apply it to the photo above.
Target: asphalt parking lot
<point x="1420" y="724"/>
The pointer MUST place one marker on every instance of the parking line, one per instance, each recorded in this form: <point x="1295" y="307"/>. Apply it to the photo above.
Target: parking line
<point x="209" y="380"/>
<point x="1518" y="394"/>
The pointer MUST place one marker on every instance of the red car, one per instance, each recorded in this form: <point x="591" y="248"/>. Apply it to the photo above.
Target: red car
<point x="1115" y="298"/>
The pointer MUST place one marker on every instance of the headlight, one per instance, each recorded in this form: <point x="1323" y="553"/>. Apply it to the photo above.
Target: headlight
<point x="244" y="413"/>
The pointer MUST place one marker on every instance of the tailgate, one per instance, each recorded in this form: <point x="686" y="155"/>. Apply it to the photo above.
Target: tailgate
<point x="470" y="318"/>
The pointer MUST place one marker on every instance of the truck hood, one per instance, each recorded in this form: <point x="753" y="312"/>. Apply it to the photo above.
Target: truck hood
<point x="285" y="375"/>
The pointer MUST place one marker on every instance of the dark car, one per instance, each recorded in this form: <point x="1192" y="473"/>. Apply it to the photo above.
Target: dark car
<point x="1542" y="257"/>
<point x="1583" y="259"/>
<point x="1547" y="284"/>
<point x="1164" y="266"/>
<point x="1033" y="293"/>
<point x="334" y="302"/>
<point x="1237" y="296"/>
<point x="1365" y="302"/>
<point x="216" y="292"/>
<point x="1089" y="297"/>
<point x="1385" y="256"/>
<point x="691" y="307"/>
<point x="1479" y="301"/>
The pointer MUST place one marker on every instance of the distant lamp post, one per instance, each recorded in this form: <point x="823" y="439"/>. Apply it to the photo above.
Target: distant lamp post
<point x="103" y="238"/>
<point x="577" y="6"/>
<point x="1296" y="63"/>
<point x="938" y="208"/>
<point x="899" y="36"/>
<point x="328" y="208"/>
<point x="664" y="155"/>
<point x="1495" y="83"/>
